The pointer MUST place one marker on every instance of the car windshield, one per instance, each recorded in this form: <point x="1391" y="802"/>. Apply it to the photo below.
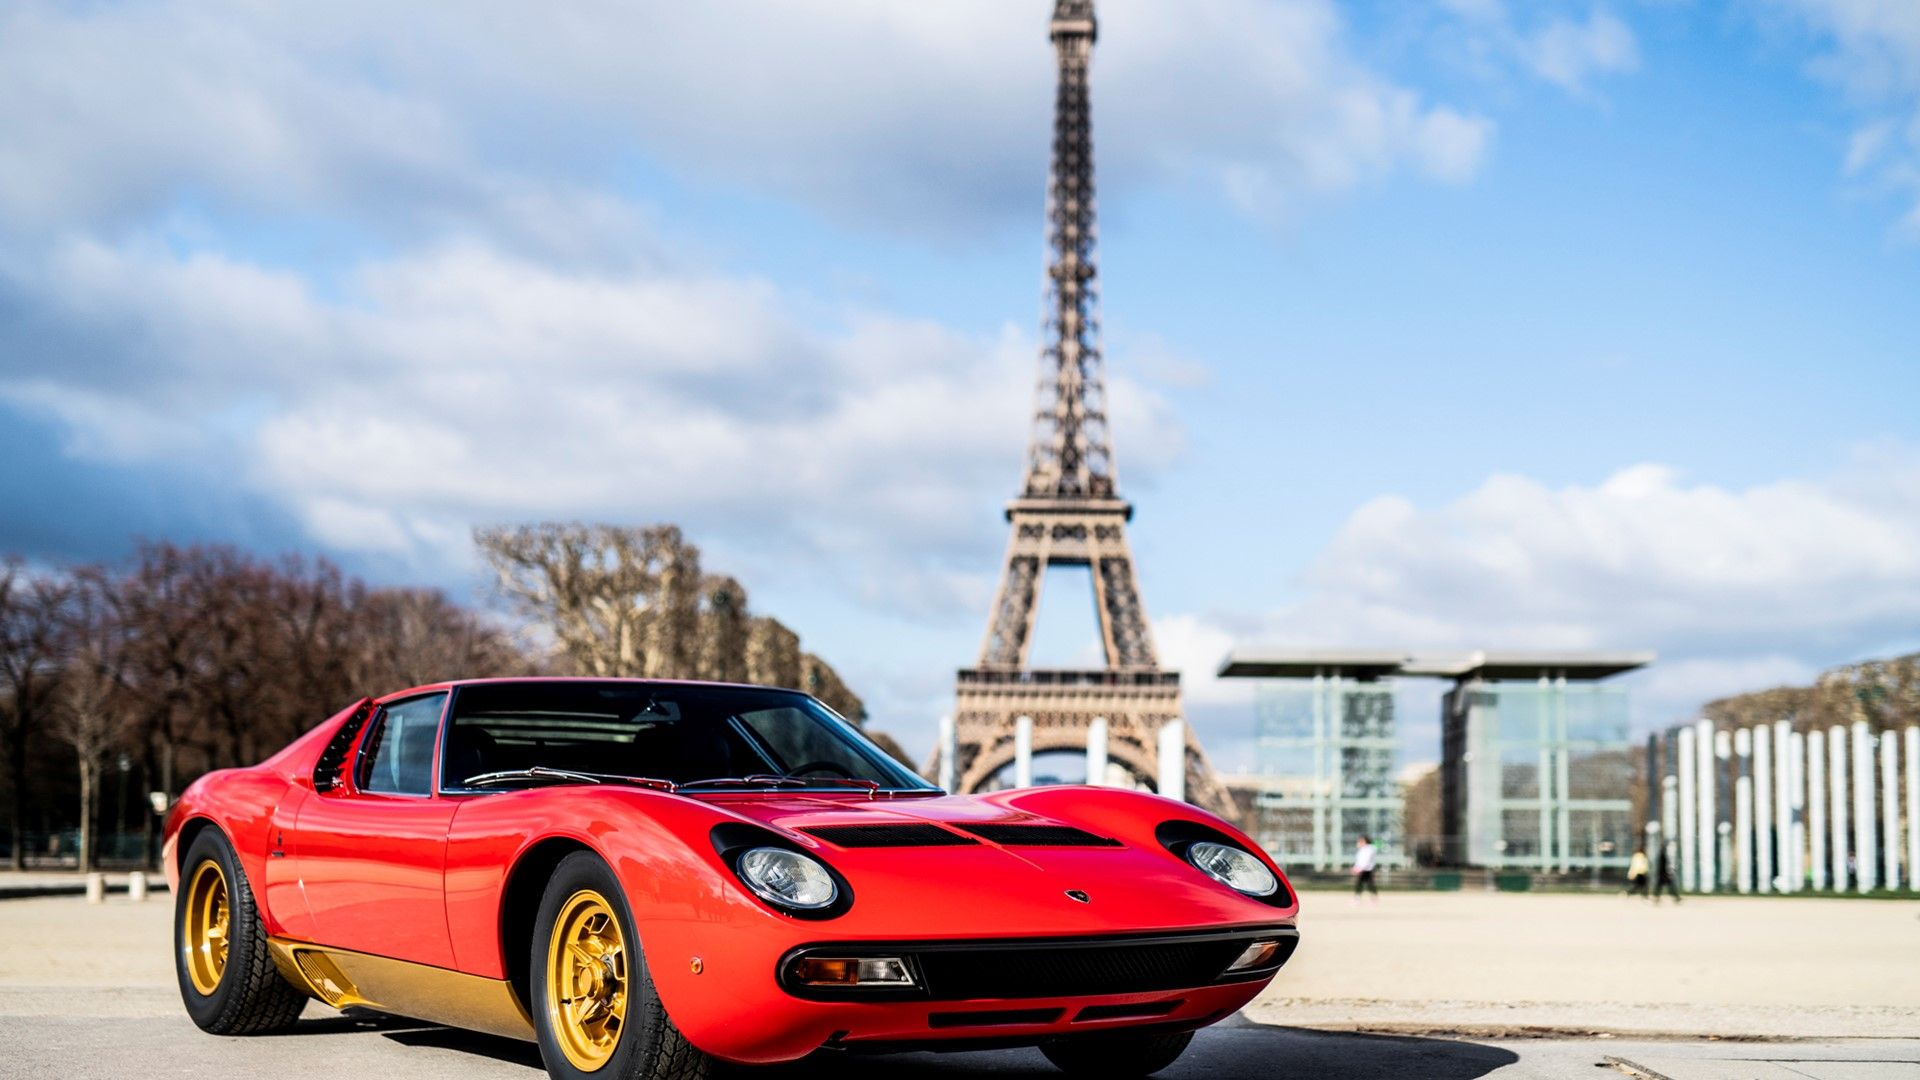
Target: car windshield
<point x="730" y="737"/>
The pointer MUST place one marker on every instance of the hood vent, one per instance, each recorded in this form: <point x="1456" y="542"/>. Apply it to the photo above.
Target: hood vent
<point x="901" y="834"/>
<point x="1039" y="836"/>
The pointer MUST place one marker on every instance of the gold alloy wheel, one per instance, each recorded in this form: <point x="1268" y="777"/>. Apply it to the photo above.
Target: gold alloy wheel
<point x="208" y="921"/>
<point x="586" y="980"/>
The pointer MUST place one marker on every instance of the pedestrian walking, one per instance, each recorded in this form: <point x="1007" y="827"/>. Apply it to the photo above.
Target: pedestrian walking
<point x="1637" y="873"/>
<point x="1366" y="859"/>
<point x="1663" y="878"/>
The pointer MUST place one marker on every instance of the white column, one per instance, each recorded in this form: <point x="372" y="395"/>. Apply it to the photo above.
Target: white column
<point x="1724" y="843"/>
<point x="1023" y="752"/>
<point x="1913" y="806"/>
<point x="1689" y="832"/>
<point x="1173" y="760"/>
<point x="1762" y="811"/>
<point x="1837" y="803"/>
<point x="949" y="746"/>
<point x="1743" y="810"/>
<point x="1708" y="823"/>
<point x="1890" y="808"/>
<point x="1817" y="806"/>
<point x="1866" y="863"/>
<point x="1782" y="810"/>
<point x="1796" y="810"/>
<point x="1097" y="751"/>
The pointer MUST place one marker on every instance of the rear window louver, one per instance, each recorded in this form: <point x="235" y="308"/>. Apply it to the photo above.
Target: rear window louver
<point x="1039" y="836"/>
<point x="326" y="771"/>
<point x="889" y="835"/>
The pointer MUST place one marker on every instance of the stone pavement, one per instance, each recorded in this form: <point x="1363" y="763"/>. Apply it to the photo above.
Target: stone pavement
<point x="1426" y="987"/>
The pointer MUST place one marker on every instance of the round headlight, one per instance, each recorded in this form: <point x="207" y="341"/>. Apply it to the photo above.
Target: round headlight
<point x="787" y="878"/>
<point x="1232" y="867"/>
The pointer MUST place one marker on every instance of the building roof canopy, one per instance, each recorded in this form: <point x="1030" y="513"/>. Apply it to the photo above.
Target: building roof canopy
<point x="1482" y="664"/>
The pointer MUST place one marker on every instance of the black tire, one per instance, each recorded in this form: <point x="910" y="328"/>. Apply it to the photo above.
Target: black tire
<point x="251" y="997"/>
<point x="1119" y="1054"/>
<point x="648" y="1046"/>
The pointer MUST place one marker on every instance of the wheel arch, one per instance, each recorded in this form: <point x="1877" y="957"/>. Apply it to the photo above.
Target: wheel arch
<point x="190" y="831"/>
<point x="520" y="904"/>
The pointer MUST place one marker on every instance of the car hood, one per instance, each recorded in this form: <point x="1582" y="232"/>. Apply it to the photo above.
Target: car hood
<point x="988" y="888"/>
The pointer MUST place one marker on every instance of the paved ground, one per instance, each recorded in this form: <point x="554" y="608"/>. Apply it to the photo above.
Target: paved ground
<point x="1435" y="987"/>
<point x="1494" y="963"/>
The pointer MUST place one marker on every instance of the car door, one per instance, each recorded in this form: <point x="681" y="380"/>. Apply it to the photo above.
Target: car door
<point x="372" y="850"/>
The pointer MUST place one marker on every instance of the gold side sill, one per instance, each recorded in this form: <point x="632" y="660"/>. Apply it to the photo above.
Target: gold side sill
<point x="343" y="978"/>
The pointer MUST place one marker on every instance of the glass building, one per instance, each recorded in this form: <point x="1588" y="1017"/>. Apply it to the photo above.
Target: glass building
<point x="1536" y="762"/>
<point x="1324" y="725"/>
<point x="1536" y="768"/>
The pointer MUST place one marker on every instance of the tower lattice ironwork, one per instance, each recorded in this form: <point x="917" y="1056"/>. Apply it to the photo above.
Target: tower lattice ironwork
<point x="1069" y="512"/>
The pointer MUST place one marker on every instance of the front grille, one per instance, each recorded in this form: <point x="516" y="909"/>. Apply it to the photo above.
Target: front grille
<point x="1039" y="836"/>
<point x="889" y="835"/>
<point x="990" y="971"/>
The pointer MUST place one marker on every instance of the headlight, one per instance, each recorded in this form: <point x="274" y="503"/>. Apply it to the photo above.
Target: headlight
<point x="1232" y="867"/>
<point x="787" y="878"/>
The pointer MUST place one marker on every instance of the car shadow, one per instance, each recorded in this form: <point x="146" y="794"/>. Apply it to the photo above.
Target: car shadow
<point x="1237" y="1049"/>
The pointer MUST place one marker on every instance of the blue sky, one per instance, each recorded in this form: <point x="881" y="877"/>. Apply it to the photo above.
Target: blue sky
<point x="1450" y="324"/>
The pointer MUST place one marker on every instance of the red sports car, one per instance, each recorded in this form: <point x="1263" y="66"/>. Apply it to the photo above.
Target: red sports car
<point x="646" y="877"/>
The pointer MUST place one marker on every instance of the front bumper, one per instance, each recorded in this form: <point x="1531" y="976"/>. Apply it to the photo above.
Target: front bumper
<point x="981" y="993"/>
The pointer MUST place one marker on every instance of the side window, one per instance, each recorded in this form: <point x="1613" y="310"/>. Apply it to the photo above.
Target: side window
<point x="398" y="756"/>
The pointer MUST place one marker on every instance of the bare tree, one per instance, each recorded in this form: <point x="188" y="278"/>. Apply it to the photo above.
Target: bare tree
<point x="611" y="595"/>
<point x="91" y="713"/>
<point x="31" y="609"/>
<point x="773" y="653"/>
<point x="409" y="637"/>
<point x="722" y="654"/>
<point x="624" y="601"/>
<point x="819" y="679"/>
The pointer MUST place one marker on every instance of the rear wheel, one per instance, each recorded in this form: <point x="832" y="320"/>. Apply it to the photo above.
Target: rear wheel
<point x="594" y="1005"/>
<point x="226" y="973"/>
<point x="1119" y="1054"/>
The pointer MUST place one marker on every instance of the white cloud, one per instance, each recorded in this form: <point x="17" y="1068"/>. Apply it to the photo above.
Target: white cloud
<point x="1737" y="589"/>
<point x="1873" y="55"/>
<point x="465" y="384"/>
<point x="446" y="115"/>
<point x="1565" y="51"/>
<point x="1569" y="53"/>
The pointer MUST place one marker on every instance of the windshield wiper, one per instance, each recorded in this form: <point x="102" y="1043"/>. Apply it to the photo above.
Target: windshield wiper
<point x="542" y="772"/>
<point x="750" y="780"/>
<point x="772" y="780"/>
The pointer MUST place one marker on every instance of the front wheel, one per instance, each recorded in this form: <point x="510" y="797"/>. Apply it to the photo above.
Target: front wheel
<point x="595" y="1008"/>
<point x="227" y="977"/>
<point x="1119" y="1054"/>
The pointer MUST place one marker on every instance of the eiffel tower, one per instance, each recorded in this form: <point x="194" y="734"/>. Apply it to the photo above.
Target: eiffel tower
<point x="1070" y="514"/>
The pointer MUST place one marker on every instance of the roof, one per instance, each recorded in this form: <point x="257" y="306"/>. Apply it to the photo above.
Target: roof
<point x="1525" y="664"/>
<point x="1306" y="663"/>
<point x="1481" y="664"/>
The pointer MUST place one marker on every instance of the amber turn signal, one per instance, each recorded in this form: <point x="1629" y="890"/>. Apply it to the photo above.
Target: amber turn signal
<point x="1257" y="955"/>
<point x="851" y="971"/>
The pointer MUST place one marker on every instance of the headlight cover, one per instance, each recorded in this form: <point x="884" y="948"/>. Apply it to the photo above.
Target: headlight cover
<point x="787" y="879"/>
<point x="1232" y="867"/>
